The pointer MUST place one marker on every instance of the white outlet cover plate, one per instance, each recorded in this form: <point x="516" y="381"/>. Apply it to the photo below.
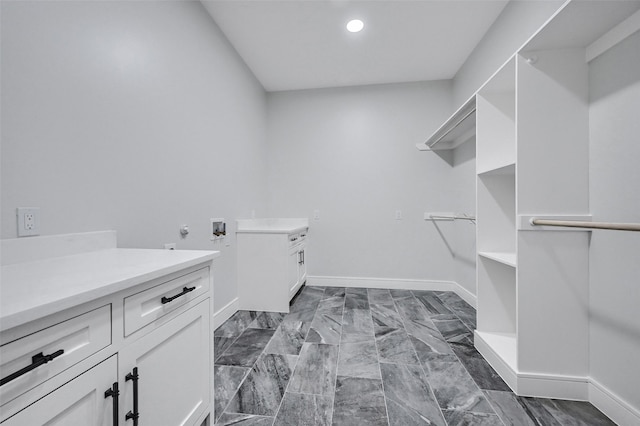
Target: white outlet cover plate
<point x="26" y="227"/>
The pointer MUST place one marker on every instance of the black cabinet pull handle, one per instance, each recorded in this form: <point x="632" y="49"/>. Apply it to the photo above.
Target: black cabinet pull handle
<point x="133" y="414"/>
<point x="185" y="290"/>
<point x="113" y="392"/>
<point x="36" y="361"/>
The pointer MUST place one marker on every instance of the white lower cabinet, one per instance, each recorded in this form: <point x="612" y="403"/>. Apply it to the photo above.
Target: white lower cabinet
<point x="271" y="268"/>
<point x="140" y="357"/>
<point x="166" y="375"/>
<point x="81" y="401"/>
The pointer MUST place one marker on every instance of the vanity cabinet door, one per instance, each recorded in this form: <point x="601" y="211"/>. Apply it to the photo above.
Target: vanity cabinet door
<point x="173" y="368"/>
<point x="81" y="401"/>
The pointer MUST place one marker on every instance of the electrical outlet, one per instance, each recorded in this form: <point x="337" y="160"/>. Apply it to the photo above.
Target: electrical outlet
<point x="398" y="214"/>
<point x="28" y="221"/>
<point x="316" y="215"/>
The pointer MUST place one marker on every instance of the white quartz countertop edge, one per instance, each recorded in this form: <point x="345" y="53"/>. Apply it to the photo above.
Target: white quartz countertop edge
<point x="33" y="290"/>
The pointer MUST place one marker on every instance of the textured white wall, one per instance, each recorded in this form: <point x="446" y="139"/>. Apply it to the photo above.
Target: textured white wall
<point x="518" y="21"/>
<point x="614" y="80"/>
<point x="132" y="116"/>
<point x="350" y="153"/>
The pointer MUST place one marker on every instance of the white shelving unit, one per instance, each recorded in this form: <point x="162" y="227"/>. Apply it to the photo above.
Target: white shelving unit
<point x="458" y="129"/>
<point x="532" y="159"/>
<point x="496" y="213"/>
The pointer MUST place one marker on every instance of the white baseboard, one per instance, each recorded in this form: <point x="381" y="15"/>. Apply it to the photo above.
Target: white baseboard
<point x="220" y="316"/>
<point x="393" y="283"/>
<point x="612" y="405"/>
<point x="561" y="387"/>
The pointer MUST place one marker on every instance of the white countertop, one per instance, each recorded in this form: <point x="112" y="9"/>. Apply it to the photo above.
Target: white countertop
<point x="272" y="225"/>
<point x="35" y="289"/>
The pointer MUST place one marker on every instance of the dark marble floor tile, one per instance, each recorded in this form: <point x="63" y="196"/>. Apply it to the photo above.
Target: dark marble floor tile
<point x="464" y="418"/>
<point x="304" y="410"/>
<point x="357" y="326"/>
<point x="237" y="419"/>
<point x="359" y="359"/>
<point x="427" y="341"/>
<point x="452" y="329"/>
<point x="537" y="411"/>
<point x="359" y="401"/>
<point x="462" y="309"/>
<point x="220" y="344"/>
<point x="509" y="408"/>
<point x="576" y="412"/>
<point x="410" y="309"/>
<point x="454" y="388"/>
<point x="394" y="346"/>
<point x="289" y="337"/>
<point x="227" y="379"/>
<point x="395" y="293"/>
<point x="269" y="320"/>
<point x="315" y="292"/>
<point x="305" y="304"/>
<point x="379" y="295"/>
<point x="409" y="398"/>
<point x="247" y="348"/>
<point x="315" y="371"/>
<point x="334" y="292"/>
<point x="356" y="290"/>
<point x="482" y="373"/>
<point x="235" y="325"/>
<point x="431" y="302"/>
<point x="386" y="316"/>
<point x="261" y="392"/>
<point x="333" y="303"/>
<point x="356" y="300"/>
<point x="326" y="326"/>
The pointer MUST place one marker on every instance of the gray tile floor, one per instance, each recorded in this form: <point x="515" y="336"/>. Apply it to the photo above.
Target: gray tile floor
<point x="369" y="357"/>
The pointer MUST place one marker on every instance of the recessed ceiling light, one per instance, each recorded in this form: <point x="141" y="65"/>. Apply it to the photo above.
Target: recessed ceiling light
<point x="355" y="25"/>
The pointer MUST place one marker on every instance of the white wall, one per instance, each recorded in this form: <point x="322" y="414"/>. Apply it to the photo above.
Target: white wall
<point x="132" y="116"/>
<point x="614" y="82"/>
<point x="350" y="153"/>
<point x="463" y="182"/>
<point x="519" y="20"/>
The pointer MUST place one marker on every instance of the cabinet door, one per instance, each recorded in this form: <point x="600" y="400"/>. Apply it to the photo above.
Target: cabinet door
<point x="302" y="266"/>
<point x="293" y="265"/>
<point x="174" y="373"/>
<point x="79" y="402"/>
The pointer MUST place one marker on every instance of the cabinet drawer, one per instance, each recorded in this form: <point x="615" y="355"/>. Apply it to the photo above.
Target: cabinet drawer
<point x="147" y="306"/>
<point x="77" y="338"/>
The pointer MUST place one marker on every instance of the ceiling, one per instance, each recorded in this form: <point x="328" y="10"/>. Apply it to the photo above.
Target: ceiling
<point x="303" y="44"/>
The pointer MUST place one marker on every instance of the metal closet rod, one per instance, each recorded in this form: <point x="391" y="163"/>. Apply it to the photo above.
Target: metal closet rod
<point x="453" y="217"/>
<point x="589" y="225"/>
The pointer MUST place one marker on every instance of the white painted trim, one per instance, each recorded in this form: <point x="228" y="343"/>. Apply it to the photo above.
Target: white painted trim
<point x="614" y="36"/>
<point x="466" y="295"/>
<point x="614" y="407"/>
<point x="225" y="313"/>
<point x="393" y="283"/>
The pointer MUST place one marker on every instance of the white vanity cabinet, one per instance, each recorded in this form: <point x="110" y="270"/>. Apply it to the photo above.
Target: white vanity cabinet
<point x="126" y="335"/>
<point x="79" y="402"/>
<point x="297" y="264"/>
<point x="271" y="262"/>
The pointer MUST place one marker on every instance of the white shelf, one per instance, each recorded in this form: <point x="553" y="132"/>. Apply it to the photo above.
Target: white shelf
<point x="503" y="344"/>
<point x="458" y="128"/>
<point x="505" y="258"/>
<point x="506" y="169"/>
